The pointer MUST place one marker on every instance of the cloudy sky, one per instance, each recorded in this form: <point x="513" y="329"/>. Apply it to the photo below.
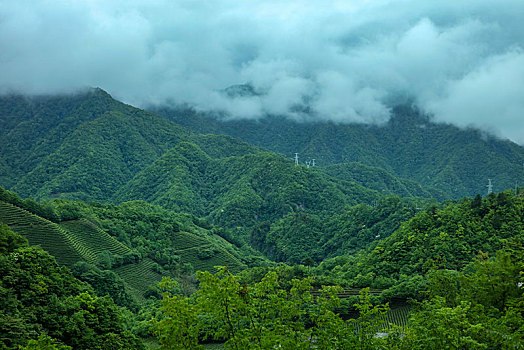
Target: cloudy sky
<point x="347" y="61"/>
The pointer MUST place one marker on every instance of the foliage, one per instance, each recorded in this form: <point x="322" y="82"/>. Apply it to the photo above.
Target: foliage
<point x="44" y="342"/>
<point x="479" y="308"/>
<point x="363" y="224"/>
<point x="265" y="315"/>
<point x="444" y="237"/>
<point x="105" y="282"/>
<point x="380" y="180"/>
<point x="37" y="295"/>
<point x="179" y="327"/>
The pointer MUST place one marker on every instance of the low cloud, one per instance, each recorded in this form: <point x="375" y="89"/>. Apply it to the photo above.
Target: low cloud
<point x="344" y="61"/>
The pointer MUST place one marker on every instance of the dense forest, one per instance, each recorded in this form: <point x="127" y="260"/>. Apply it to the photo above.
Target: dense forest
<point x="449" y="162"/>
<point x="127" y="229"/>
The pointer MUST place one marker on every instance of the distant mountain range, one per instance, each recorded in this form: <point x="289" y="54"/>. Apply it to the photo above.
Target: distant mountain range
<point x="447" y="161"/>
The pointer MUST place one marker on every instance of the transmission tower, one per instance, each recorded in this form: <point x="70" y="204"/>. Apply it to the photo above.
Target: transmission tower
<point x="313" y="164"/>
<point x="296" y="159"/>
<point x="490" y="186"/>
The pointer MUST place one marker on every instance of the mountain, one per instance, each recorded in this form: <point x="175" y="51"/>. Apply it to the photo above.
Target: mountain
<point x="380" y="180"/>
<point x="88" y="145"/>
<point x="239" y="190"/>
<point x="82" y="146"/>
<point x="91" y="147"/>
<point x="456" y="162"/>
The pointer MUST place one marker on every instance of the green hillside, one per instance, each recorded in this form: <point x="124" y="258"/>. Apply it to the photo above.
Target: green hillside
<point x="93" y="240"/>
<point x="444" y="237"/>
<point x="363" y="224"/>
<point x="170" y="239"/>
<point x="380" y="180"/>
<point x="290" y="213"/>
<point x="239" y="191"/>
<point x="84" y="233"/>
<point x="83" y="146"/>
<point x="38" y="231"/>
<point x="457" y="162"/>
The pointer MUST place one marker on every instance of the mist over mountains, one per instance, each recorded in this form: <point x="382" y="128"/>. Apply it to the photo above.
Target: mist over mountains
<point x="410" y="145"/>
<point x="342" y="62"/>
<point x="89" y="146"/>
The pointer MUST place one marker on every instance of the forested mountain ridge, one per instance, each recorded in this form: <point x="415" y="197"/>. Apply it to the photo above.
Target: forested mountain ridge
<point x="254" y="187"/>
<point x="78" y="146"/>
<point x="410" y="145"/>
<point x="88" y="145"/>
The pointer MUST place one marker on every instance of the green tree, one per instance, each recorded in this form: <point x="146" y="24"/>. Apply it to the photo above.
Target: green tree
<point x="44" y="342"/>
<point x="179" y="328"/>
<point x="265" y="315"/>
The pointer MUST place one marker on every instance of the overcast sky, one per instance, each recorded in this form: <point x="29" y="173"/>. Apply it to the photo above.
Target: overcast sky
<point x="461" y="60"/>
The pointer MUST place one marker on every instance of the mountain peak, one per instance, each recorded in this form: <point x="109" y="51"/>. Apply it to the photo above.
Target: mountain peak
<point x="241" y="90"/>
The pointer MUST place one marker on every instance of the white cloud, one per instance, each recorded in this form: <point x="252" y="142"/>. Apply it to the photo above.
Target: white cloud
<point x="461" y="60"/>
<point x="492" y="96"/>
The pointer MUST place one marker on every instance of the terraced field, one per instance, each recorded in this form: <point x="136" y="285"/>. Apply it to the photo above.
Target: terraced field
<point x="189" y="247"/>
<point x="13" y="215"/>
<point x="139" y="277"/>
<point x="42" y="232"/>
<point x="349" y="292"/>
<point x="91" y="240"/>
<point x="220" y="258"/>
<point x="77" y="240"/>
<point x="186" y="240"/>
<point x="397" y="316"/>
<point x="68" y="242"/>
